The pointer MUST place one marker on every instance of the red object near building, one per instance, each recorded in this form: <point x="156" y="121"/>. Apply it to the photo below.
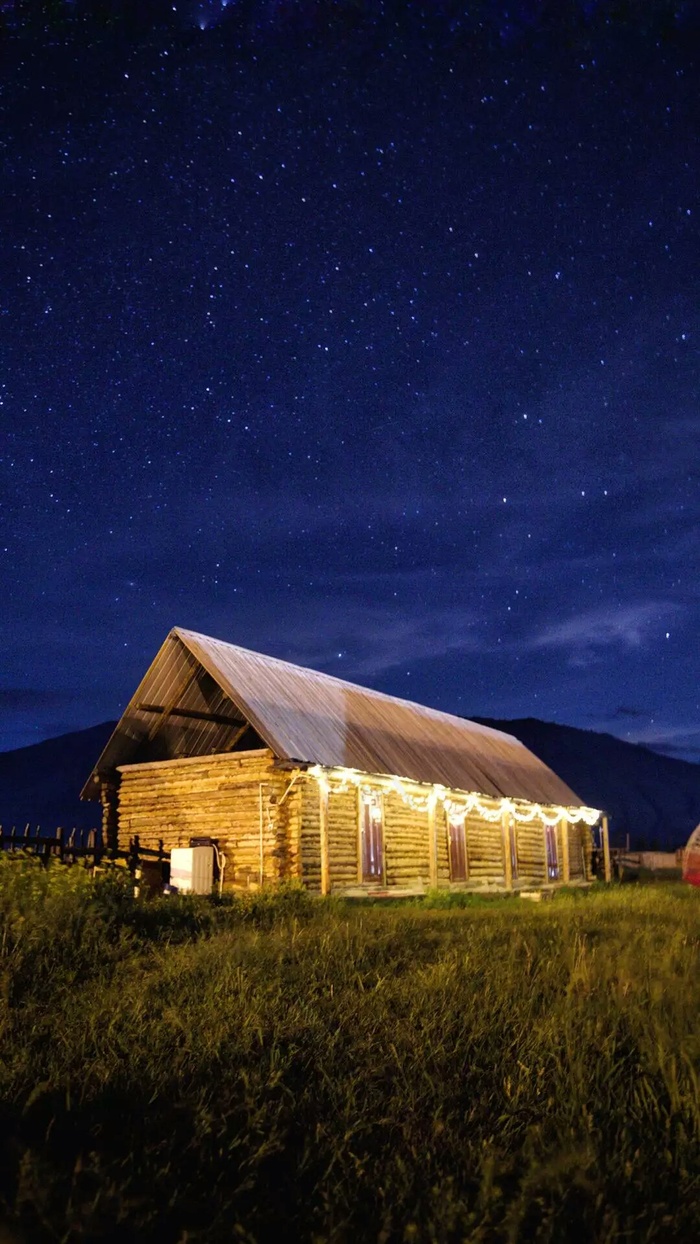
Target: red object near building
<point x="691" y="858"/>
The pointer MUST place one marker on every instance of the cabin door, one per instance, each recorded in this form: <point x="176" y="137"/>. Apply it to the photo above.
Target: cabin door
<point x="458" y="850"/>
<point x="371" y="836"/>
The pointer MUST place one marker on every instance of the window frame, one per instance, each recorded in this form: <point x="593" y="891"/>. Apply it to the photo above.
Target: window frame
<point x="461" y="822"/>
<point x="367" y="798"/>
<point x="551" y="849"/>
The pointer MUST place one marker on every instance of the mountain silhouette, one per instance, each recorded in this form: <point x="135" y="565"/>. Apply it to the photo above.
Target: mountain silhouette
<point x="653" y="798"/>
<point x="41" y="784"/>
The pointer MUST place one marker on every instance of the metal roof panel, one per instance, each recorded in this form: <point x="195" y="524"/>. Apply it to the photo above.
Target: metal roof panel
<point x="317" y="718"/>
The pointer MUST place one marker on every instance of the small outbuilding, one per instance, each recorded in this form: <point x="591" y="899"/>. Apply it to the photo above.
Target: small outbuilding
<point x="297" y="774"/>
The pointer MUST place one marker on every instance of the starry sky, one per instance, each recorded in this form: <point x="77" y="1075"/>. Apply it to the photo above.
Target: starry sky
<point x="360" y="333"/>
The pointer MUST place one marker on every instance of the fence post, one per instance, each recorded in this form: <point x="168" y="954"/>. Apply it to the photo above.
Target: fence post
<point x="97" y="848"/>
<point x="507" y="839"/>
<point x="606" y="848"/>
<point x="161" y="861"/>
<point x="134" y="863"/>
<point x="137" y="867"/>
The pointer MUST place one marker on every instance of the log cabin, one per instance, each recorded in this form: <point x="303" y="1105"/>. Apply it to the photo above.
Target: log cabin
<point x="298" y="774"/>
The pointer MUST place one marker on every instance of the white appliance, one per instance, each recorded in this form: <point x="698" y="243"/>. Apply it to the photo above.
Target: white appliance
<point x="192" y="870"/>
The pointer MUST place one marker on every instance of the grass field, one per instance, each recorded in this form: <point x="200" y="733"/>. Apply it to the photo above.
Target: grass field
<point x="284" y="1069"/>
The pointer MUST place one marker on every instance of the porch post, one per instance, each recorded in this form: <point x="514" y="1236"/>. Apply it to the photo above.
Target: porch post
<point x="323" y="831"/>
<point x="565" y="865"/>
<point x="606" y="847"/>
<point x="547" y="877"/>
<point x="432" y="840"/>
<point x="507" y="861"/>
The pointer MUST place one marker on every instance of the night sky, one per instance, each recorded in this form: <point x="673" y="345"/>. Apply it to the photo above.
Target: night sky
<point x="362" y="334"/>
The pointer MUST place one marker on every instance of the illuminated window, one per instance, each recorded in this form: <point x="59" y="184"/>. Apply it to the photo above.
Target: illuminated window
<point x="550" y="838"/>
<point x="371" y="836"/>
<point x="457" y="838"/>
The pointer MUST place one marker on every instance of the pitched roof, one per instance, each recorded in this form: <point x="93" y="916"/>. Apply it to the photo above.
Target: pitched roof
<point x="199" y="693"/>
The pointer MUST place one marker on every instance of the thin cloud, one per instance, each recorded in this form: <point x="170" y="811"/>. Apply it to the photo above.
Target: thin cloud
<point x="355" y="642"/>
<point x="585" y="635"/>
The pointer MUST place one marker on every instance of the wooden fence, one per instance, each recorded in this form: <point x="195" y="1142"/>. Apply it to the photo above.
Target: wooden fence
<point x="70" y="845"/>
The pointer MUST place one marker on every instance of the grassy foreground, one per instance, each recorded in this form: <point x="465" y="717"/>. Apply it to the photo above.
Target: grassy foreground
<point x="283" y="1069"/>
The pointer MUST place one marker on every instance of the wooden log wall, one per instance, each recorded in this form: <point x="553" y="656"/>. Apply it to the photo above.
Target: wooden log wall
<point x="582" y="835"/>
<point x="406" y="844"/>
<point x="343" y="838"/>
<point x="577" y="870"/>
<point x="216" y="796"/>
<point x="485" y="861"/>
<point x="310" y="835"/>
<point x="532" y="866"/>
<point x="443" y="846"/>
<point x="288" y="830"/>
<point x="220" y="796"/>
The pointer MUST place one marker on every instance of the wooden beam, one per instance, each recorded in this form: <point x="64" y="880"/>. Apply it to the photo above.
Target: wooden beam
<point x="323" y="831"/>
<point x="238" y="735"/>
<point x="507" y="861"/>
<point x="219" y="719"/>
<point x="565" y="862"/>
<point x="360" y="835"/>
<point x="432" y="841"/>
<point x="604" y="827"/>
<point x="162" y="717"/>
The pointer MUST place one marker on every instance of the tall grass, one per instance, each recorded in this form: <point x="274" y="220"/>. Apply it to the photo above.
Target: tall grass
<point x="287" y="1069"/>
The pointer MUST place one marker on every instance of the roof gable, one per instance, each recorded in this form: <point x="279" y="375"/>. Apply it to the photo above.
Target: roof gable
<point x="179" y="709"/>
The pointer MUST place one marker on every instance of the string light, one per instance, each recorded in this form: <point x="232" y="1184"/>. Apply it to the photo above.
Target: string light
<point x="341" y="780"/>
